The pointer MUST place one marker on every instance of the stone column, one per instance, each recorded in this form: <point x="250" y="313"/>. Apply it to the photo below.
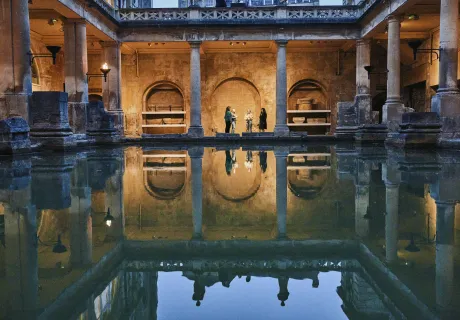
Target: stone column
<point x="281" y="128"/>
<point x="363" y="98"/>
<point x="75" y="69"/>
<point x="16" y="84"/>
<point x="281" y="155"/>
<point x="21" y="258"/>
<point x="446" y="102"/>
<point x="81" y="227"/>
<point x="195" y="129"/>
<point x="393" y="108"/>
<point x="196" y="159"/>
<point x="362" y="199"/>
<point x="114" y="201"/>
<point x="445" y="220"/>
<point x="111" y="89"/>
<point x="392" y="179"/>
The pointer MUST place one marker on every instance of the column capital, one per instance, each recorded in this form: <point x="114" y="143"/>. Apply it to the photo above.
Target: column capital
<point x="73" y="20"/>
<point x="281" y="42"/>
<point x="394" y="18"/>
<point x="363" y="42"/>
<point x="194" y="43"/>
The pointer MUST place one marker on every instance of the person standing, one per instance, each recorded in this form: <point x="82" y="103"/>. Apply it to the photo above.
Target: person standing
<point x="228" y="120"/>
<point x="263" y="120"/>
<point x="234" y="116"/>
<point x="248" y="117"/>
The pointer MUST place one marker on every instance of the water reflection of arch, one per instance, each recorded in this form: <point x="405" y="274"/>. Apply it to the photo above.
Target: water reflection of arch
<point x="308" y="174"/>
<point x="165" y="174"/>
<point x="240" y="185"/>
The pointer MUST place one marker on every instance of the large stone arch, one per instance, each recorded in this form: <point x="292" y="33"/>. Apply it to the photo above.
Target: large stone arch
<point x="238" y="93"/>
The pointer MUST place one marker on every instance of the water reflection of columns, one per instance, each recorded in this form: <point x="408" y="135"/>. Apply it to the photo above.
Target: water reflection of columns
<point x="114" y="201"/>
<point x="362" y="199"/>
<point x="196" y="158"/>
<point x="392" y="178"/>
<point x="81" y="228"/>
<point x="445" y="217"/>
<point x="21" y="258"/>
<point x="281" y="155"/>
<point x="152" y="289"/>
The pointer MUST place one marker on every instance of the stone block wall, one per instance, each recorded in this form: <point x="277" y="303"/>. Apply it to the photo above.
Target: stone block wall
<point x="248" y="78"/>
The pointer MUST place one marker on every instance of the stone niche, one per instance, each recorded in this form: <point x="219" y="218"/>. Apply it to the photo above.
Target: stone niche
<point x="164" y="109"/>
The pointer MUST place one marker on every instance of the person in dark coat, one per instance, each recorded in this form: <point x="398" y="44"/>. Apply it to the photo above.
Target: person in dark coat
<point x="263" y="120"/>
<point x="228" y="119"/>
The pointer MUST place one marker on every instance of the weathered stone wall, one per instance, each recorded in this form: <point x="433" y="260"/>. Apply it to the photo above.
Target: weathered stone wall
<point x="256" y="70"/>
<point x="51" y="77"/>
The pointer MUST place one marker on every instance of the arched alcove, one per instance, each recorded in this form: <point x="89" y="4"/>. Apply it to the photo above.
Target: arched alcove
<point x="235" y="174"/>
<point x="165" y="175"/>
<point x="308" y="107"/>
<point x="239" y="94"/>
<point x="163" y="109"/>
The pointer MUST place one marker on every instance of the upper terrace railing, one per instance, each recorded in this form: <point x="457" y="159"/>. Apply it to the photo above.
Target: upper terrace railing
<point x="288" y="12"/>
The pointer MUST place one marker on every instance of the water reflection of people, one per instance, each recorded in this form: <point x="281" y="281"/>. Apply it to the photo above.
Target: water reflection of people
<point x="228" y="162"/>
<point x="198" y="292"/>
<point x="226" y="277"/>
<point x="234" y="162"/>
<point x="263" y="161"/>
<point x="283" y="295"/>
<point x="249" y="162"/>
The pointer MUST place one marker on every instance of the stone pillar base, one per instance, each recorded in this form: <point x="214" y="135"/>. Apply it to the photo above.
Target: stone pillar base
<point x="56" y="142"/>
<point x="371" y="133"/>
<point x="195" y="132"/>
<point x="392" y="114"/>
<point x="418" y="129"/>
<point x="346" y="132"/>
<point x="14" y="136"/>
<point x="119" y="120"/>
<point x="77" y="117"/>
<point x="14" y="105"/>
<point x="281" y="130"/>
<point x="446" y="103"/>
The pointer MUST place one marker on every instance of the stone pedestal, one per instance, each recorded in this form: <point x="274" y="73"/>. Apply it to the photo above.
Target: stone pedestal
<point x="195" y="130"/>
<point x="281" y="128"/>
<point x="196" y="159"/>
<point x="14" y="136"/>
<point x="281" y="155"/>
<point x="351" y="115"/>
<point x="49" y="119"/>
<point x="16" y="84"/>
<point x="418" y="129"/>
<point x="371" y="133"/>
<point x="100" y="123"/>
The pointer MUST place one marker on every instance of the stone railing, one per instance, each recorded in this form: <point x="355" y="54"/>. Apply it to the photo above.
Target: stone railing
<point x="237" y="15"/>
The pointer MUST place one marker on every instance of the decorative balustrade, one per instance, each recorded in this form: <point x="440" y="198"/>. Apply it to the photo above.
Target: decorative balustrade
<point x="229" y="15"/>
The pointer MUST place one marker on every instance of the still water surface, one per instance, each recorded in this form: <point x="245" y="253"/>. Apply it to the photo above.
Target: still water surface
<point x="331" y="232"/>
